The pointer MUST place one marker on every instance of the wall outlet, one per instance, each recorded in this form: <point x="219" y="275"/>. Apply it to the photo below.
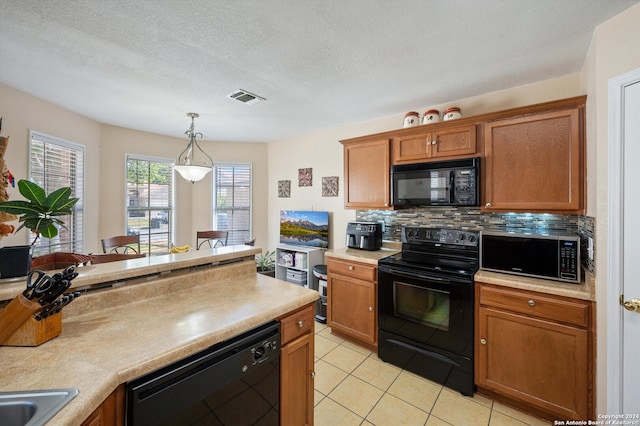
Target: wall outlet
<point x="590" y="249"/>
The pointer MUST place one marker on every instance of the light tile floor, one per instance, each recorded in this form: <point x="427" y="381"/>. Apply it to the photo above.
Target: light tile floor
<point x="354" y="387"/>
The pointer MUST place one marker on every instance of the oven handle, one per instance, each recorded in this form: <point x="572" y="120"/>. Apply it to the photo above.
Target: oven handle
<point x="412" y="275"/>
<point x="425" y="352"/>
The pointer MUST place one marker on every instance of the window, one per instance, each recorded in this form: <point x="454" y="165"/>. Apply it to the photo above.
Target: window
<point x="149" y="202"/>
<point x="232" y="201"/>
<point x="55" y="163"/>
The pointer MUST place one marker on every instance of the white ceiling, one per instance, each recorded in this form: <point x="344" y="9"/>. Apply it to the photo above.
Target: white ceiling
<point x="320" y="63"/>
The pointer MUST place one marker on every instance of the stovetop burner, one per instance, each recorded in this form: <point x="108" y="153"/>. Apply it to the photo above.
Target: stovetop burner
<point x="441" y="251"/>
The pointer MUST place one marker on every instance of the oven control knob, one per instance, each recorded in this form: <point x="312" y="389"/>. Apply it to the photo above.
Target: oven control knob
<point x="471" y="238"/>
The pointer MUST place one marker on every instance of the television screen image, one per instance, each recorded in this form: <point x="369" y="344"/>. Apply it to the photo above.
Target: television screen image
<point x="304" y="228"/>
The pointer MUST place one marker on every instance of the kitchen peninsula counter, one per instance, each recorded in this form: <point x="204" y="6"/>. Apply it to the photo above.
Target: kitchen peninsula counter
<point x="123" y="270"/>
<point x="112" y="336"/>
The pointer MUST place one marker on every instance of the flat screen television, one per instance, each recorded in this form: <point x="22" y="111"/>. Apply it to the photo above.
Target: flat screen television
<point x="304" y="228"/>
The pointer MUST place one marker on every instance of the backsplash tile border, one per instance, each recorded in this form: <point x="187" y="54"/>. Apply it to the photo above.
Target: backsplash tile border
<point x="474" y="219"/>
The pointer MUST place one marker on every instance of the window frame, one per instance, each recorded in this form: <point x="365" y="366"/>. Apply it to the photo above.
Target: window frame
<point x="77" y="244"/>
<point x="170" y="222"/>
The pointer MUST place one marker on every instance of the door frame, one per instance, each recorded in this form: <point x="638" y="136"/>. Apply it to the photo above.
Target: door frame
<point x="614" y="238"/>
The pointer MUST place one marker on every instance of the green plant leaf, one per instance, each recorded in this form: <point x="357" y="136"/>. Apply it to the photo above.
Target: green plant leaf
<point x="40" y="214"/>
<point x="57" y="197"/>
<point x="19" y="207"/>
<point x="32" y="191"/>
<point x="64" y="207"/>
<point x="49" y="231"/>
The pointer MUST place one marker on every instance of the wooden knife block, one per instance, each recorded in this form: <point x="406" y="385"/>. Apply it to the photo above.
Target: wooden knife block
<point x="18" y="327"/>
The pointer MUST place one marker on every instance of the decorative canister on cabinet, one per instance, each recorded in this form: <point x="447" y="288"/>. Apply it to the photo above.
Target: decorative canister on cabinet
<point x="411" y="119"/>
<point x="431" y="116"/>
<point x="451" y="114"/>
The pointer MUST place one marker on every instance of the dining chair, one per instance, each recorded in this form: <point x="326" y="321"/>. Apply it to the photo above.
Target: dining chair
<point x="214" y="238"/>
<point x="121" y="244"/>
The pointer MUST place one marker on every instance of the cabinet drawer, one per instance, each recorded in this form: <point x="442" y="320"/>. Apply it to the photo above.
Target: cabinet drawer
<point x="296" y="324"/>
<point x="545" y="306"/>
<point x="352" y="269"/>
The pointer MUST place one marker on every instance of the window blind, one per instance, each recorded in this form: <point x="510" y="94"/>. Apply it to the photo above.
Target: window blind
<point x="56" y="163"/>
<point x="232" y="201"/>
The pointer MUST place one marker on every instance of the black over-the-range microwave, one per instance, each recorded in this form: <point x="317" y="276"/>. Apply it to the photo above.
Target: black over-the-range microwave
<point x="554" y="256"/>
<point x="438" y="183"/>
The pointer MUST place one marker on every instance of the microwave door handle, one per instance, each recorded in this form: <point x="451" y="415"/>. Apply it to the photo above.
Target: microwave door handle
<point x="452" y="189"/>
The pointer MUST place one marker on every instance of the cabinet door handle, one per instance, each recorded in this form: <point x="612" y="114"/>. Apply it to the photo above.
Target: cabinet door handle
<point x="487" y="206"/>
<point x="313" y="374"/>
<point x="483" y="341"/>
<point x="532" y="302"/>
<point x="370" y="308"/>
<point x="351" y="267"/>
<point x="300" y="324"/>
<point x="434" y="142"/>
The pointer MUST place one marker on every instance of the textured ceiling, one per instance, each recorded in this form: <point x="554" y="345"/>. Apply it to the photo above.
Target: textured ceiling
<point x="320" y="63"/>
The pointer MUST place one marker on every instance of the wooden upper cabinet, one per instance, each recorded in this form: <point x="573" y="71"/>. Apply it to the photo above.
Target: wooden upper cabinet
<point x="442" y="143"/>
<point x="535" y="163"/>
<point x="367" y="173"/>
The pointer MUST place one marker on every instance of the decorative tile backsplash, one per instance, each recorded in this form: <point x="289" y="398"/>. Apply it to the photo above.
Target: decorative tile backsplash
<point x="473" y="218"/>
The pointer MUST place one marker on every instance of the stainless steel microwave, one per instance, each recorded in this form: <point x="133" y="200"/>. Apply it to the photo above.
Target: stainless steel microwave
<point x="438" y="183"/>
<point x="554" y="256"/>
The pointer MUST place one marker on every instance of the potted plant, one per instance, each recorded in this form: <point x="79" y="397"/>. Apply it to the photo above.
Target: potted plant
<point x="40" y="213"/>
<point x="266" y="263"/>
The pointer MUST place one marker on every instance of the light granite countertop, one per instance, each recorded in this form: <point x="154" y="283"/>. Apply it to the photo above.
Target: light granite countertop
<point x="366" y="256"/>
<point x="583" y="290"/>
<point x="112" y="336"/>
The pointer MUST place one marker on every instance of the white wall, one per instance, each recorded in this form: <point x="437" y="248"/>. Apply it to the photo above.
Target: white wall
<point x="21" y="113"/>
<point x="614" y="51"/>
<point x="193" y="201"/>
<point x="322" y="151"/>
<point x="106" y="146"/>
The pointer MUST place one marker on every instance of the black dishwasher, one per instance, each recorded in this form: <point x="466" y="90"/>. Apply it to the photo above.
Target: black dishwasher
<point x="235" y="382"/>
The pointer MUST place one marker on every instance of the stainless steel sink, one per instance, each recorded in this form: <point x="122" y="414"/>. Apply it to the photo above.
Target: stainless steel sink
<point x="33" y="408"/>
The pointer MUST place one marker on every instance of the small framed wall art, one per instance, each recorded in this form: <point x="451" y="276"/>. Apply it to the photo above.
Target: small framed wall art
<point x="330" y="186"/>
<point x="284" y="189"/>
<point x="305" y="177"/>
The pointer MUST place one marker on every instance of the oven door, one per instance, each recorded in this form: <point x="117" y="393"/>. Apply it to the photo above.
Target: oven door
<point x="427" y="308"/>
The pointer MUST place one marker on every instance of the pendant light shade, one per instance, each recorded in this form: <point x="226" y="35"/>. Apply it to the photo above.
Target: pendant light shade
<point x="193" y="163"/>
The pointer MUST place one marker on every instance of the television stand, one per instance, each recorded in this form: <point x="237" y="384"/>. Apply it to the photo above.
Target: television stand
<point x="295" y="264"/>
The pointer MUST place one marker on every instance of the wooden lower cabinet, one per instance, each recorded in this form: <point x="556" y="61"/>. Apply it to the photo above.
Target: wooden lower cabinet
<point x="352" y="300"/>
<point x="536" y="351"/>
<point x="297" y="368"/>
<point x="110" y="412"/>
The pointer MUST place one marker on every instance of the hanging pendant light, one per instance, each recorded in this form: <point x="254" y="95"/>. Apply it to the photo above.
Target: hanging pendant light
<point x="193" y="163"/>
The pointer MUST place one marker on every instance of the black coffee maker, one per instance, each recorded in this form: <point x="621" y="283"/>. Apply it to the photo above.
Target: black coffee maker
<point x="364" y="235"/>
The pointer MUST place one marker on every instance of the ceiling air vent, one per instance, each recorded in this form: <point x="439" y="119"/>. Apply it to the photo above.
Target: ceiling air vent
<point x="245" y="97"/>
